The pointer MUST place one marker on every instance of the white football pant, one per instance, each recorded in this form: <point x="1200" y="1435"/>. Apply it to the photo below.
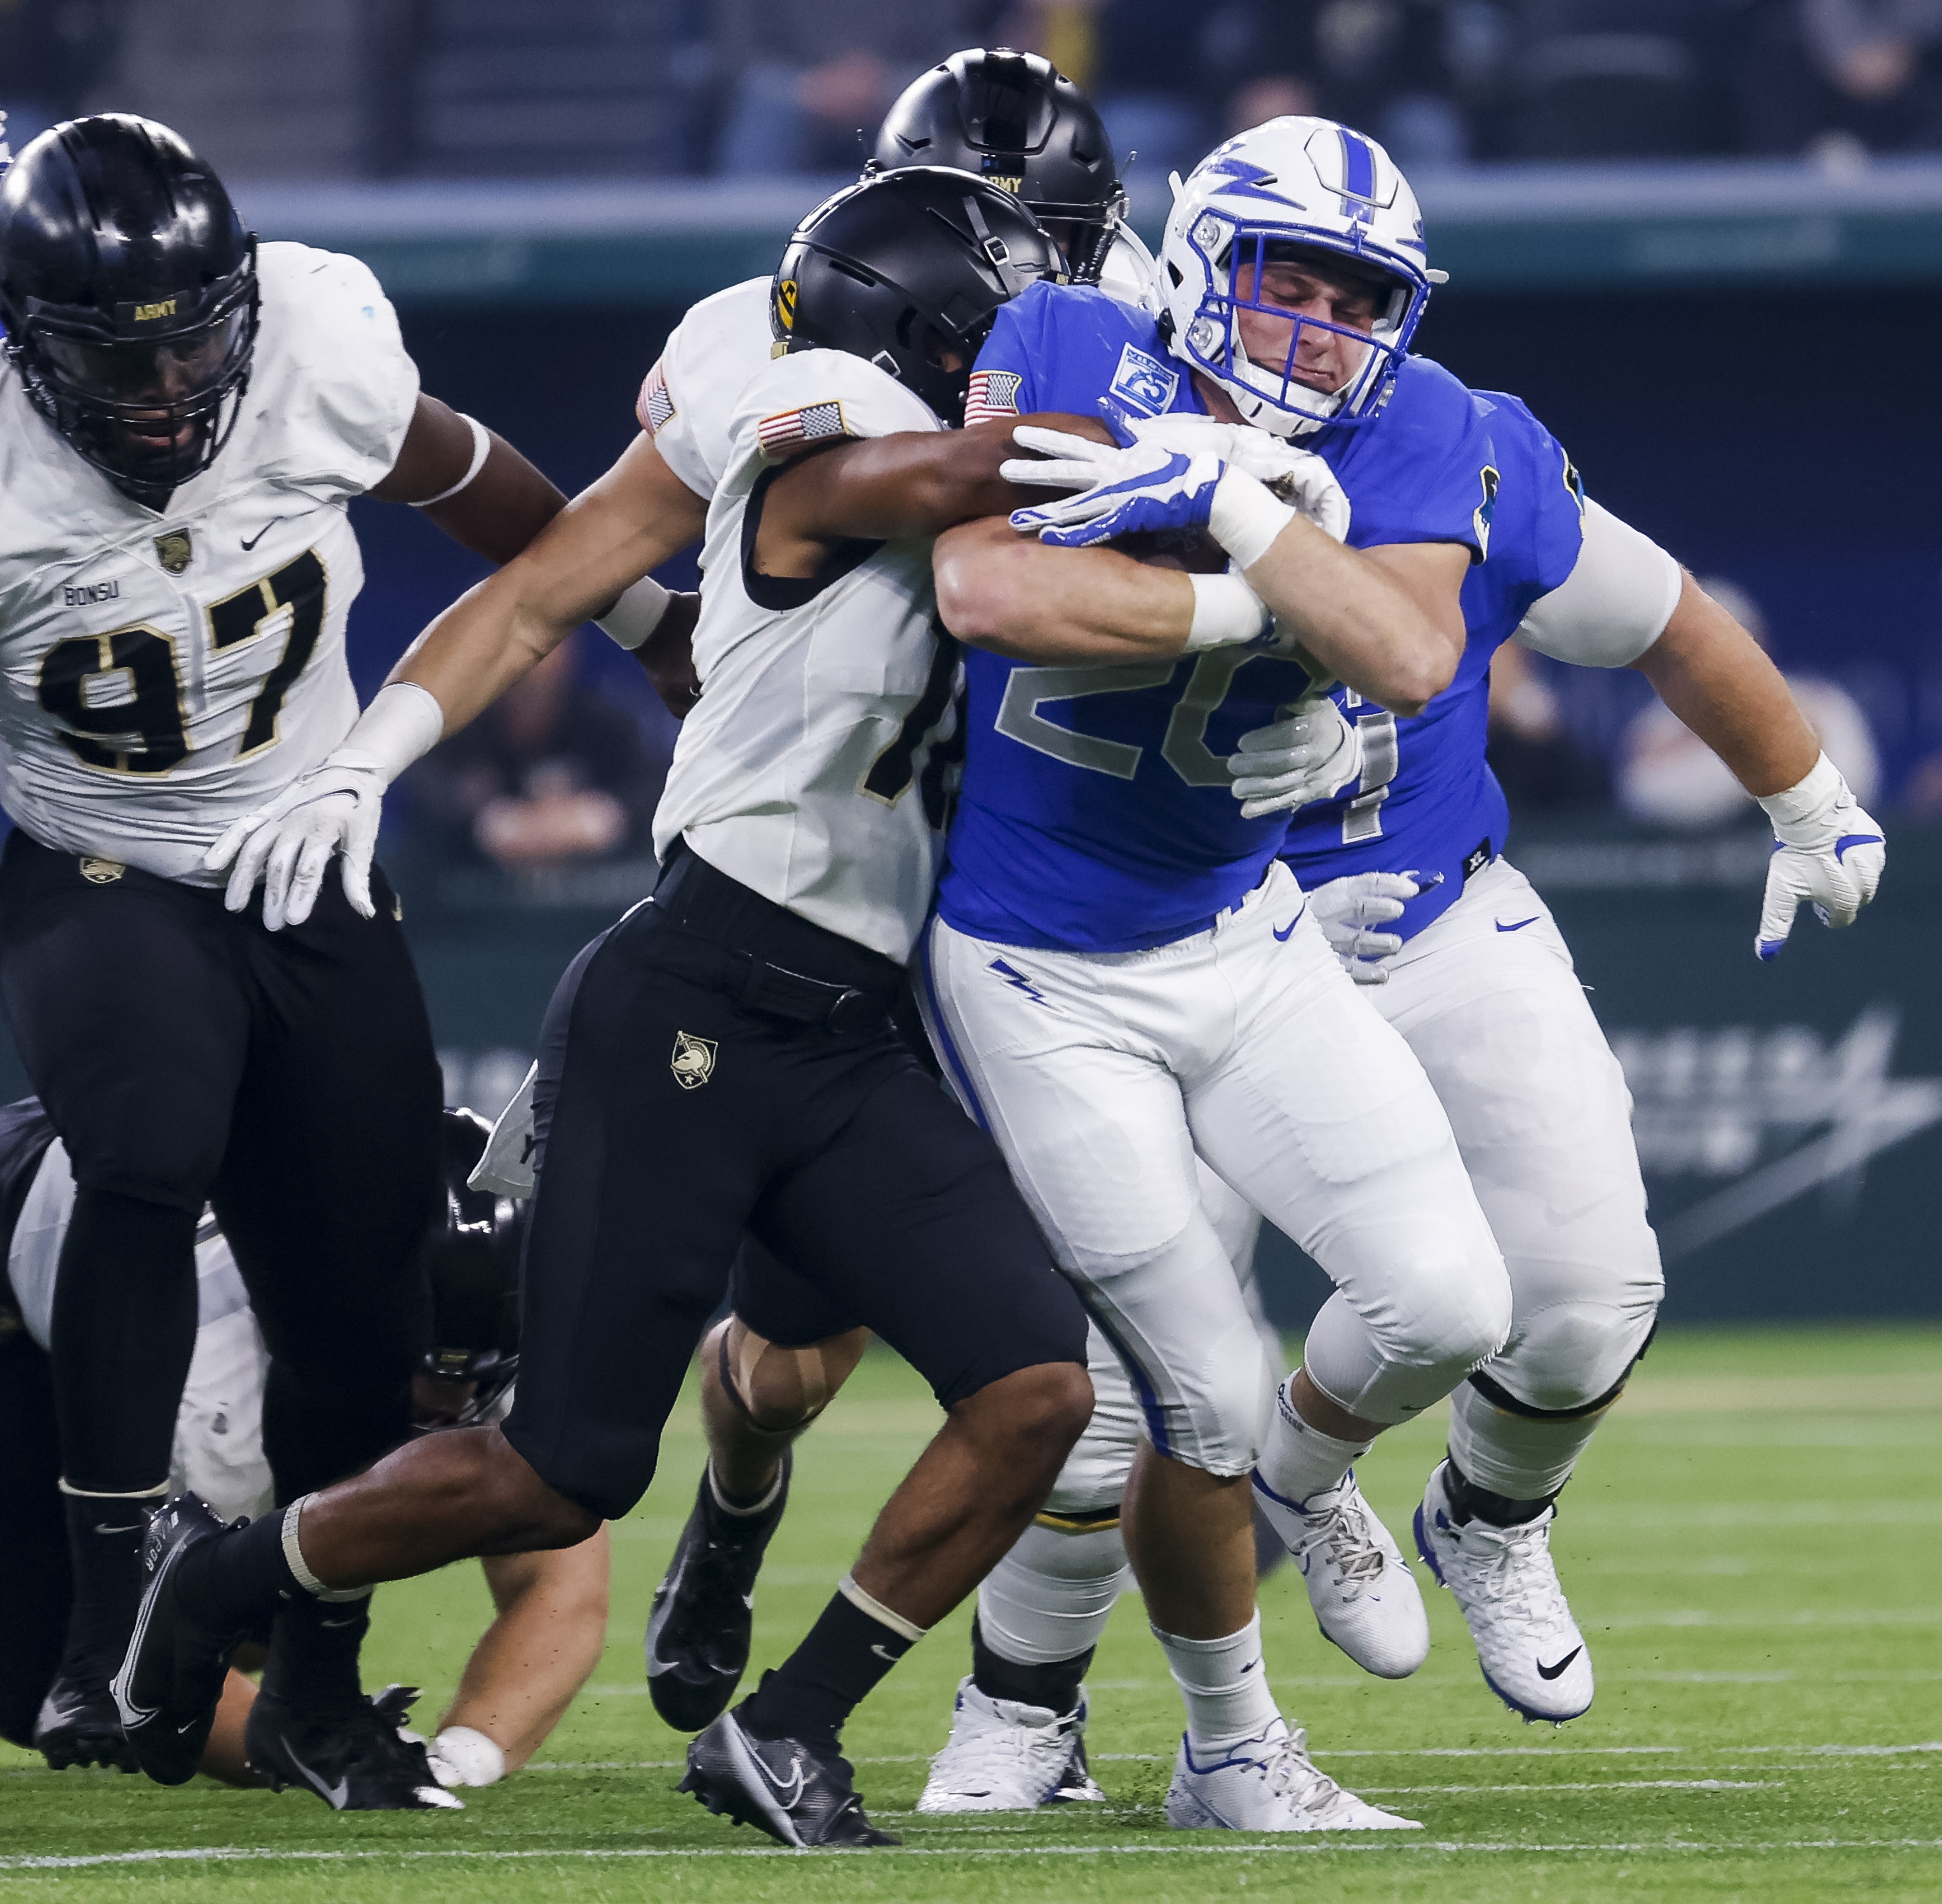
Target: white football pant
<point x="1101" y="1075"/>
<point x="1490" y="1004"/>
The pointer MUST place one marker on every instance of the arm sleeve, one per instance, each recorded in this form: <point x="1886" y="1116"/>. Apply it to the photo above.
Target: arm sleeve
<point x="1615" y="603"/>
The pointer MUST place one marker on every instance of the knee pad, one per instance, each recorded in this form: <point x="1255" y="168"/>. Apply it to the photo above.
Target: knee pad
<point x="1567" y="1351"/>
<point x="1093" y="1480"/>
<point x="775" y="1389"/>
<point x="1391" y="1370"/>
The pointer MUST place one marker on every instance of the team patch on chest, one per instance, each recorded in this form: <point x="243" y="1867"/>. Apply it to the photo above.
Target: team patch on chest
<point x="174" y="550"/>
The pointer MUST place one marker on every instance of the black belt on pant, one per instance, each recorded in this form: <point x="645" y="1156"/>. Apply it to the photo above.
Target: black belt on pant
<point x="847" y="1010"/>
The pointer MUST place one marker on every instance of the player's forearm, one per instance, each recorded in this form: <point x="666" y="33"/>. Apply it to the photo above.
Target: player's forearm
<point x="1379" y="632"/>
<point x="1716" y="678"/>
<point x="918" y="483"/>
<point x="502" y="509"/>
<point x="536" y="1654"/>
<point x="632" y="520"/>
<point x="1017" y="596"/>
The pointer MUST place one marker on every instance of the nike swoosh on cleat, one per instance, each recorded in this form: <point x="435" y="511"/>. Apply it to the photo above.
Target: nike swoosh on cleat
<point x="133" y="1527"/>
<point x="1520" y="924"/>
<point x="789" y="1793"/>
<point x="1551" y="1671"/>
<point x="1283" y="932"/>
<point x="334" y="1795"/>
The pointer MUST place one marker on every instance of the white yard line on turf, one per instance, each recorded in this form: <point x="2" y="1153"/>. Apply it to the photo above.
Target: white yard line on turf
<point x="1599" y="1785"/>
<point x="1319" y="1841"/>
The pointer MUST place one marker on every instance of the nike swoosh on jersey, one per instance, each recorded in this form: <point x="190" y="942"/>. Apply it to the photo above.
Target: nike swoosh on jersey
<point x="252" y="540"/>
<point x="1520" y="925"/>
<point x="1551" y="1671"/>
<point x="1282" y="932"/>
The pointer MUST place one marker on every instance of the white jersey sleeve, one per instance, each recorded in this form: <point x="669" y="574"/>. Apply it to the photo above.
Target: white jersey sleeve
<point x="688" y="403"/>
<point x="1614" y="604"/>
<point x="798" y="773"/>
<point x="162" y="672"/>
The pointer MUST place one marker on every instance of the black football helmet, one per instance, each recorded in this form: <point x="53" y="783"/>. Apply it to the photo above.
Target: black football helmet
<point x="471" y="1262"/>
<point x="128" y="291"/>
<point x="1015" y="119"/>
<point x="907" y="269"/>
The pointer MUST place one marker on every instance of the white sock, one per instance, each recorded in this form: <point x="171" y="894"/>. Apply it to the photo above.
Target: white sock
<point x="1512" y="1454"/>
<point x="1225" y="1685"/>
<point x="1049" y="1598"/>
<point x="1299" y="1462"/>
<point x="462" y="1755"/>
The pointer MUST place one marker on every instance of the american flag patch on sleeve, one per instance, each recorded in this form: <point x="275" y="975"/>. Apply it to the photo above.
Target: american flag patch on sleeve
<point x="656" y="406"/>
<point x="813" y="423"/>
<point x="994" y="393"/>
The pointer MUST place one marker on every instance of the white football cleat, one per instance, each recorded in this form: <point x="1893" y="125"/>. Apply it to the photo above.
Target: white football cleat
<point x="1268" y="1783"/>
<point x="1533" y="1657"/>
<point x="1004" y="1756"/>
<point x="1364" y="1597"/>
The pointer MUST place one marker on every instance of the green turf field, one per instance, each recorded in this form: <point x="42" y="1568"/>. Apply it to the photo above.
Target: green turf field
<point x="1754" y="1547"/>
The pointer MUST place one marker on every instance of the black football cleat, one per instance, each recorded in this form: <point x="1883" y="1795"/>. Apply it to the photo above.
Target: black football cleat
<point x="78" y="1723"/>
<point x="699" y="1629"/>
<point x="170" y="1680"/>
<point x="800" y="1793"/>
<point x="354" y="1758"/>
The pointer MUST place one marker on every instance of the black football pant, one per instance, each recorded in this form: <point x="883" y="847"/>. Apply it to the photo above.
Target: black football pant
<point x="714" y="1065"/>
<point x="186" y="1055"/>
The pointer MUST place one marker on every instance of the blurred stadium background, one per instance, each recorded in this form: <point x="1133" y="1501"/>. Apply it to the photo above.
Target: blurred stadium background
<point x="1702" y="238"/>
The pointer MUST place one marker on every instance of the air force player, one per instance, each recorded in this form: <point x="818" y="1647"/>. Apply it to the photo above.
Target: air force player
<point x="1400" y="855"/>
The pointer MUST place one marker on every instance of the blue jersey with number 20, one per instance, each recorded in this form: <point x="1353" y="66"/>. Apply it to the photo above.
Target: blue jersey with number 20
<point x="1427" y="801"/>
<point x="1096" y="814"/>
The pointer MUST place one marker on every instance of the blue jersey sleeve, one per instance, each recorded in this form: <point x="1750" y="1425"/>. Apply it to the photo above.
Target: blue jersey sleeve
<point x="1556" y="507"/>
<point x="1002" y="381"/>
<point x="1424" y="474"/>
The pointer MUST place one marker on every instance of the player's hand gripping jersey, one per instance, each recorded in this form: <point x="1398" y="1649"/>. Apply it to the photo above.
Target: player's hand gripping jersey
<point x="797" y="772"/>
<point x="1097" y="814"/>
<point x="164" y="674"/>
<point x="1427" y="802"/>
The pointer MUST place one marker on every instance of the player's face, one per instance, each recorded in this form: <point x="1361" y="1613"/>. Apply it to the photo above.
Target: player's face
<point x="147" y="385"/>
<point x="1325" y="360"/>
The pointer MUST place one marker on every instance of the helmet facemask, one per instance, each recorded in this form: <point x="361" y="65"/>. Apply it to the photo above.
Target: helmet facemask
<point x="1269" y="390"/>
<point x="150" y="392"/>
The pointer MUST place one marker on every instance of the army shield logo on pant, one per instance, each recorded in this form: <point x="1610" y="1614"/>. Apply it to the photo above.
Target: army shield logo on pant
<point x="693" y="1063"/>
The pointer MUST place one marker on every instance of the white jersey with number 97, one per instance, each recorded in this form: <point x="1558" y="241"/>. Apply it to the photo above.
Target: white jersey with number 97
<point x="162" y="673"/>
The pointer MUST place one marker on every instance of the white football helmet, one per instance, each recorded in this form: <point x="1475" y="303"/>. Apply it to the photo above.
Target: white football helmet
<point x="1293" y="181"/>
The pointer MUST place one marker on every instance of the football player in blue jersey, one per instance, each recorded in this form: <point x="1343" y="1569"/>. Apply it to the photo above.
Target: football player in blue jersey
<point x="1122" y="974"/>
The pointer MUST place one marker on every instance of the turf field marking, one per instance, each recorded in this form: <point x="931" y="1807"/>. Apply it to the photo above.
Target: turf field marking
<point x="1598" y="1785"/>
<point x="1305" y="1843"/>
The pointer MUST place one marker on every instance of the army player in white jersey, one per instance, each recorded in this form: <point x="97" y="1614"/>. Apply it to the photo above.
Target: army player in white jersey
<point x="183" y="420"/>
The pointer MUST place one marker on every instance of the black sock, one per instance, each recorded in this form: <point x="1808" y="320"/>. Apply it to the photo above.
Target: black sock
<point x="835" y="1669"/>
<point x="241" y="1578"/>
<point x="1469" y="1502"/>
<point x="104" y="1545"/>
<point x="1055" y="1686"/>
<point x="313" y="1646"/>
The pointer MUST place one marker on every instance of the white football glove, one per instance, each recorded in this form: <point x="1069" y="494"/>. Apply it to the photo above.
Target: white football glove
<point x="1348" y="908"/>
<point x="1313" y="754"/>
<point x="505" y="1166"/>
<point x="1298" y="477"/>
<point x="333" y="809"/>
<point x="1830" y="853"/>
<point x="1121" y="490"/>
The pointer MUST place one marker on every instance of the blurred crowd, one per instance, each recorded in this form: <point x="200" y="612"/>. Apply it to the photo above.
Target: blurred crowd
<point x="760" y="87"/>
